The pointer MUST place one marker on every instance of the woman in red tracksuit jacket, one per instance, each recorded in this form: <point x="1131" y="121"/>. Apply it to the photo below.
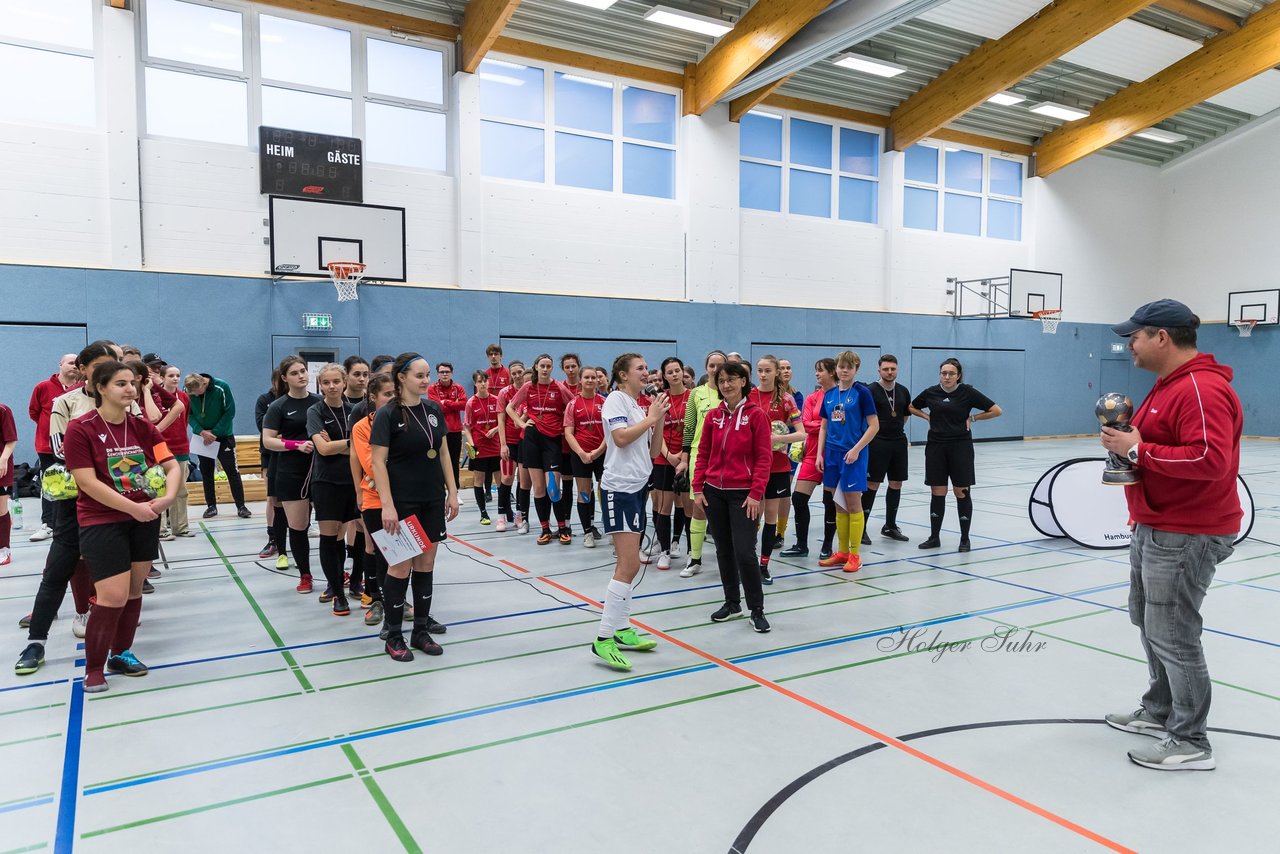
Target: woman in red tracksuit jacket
<point x="729" y="481"/>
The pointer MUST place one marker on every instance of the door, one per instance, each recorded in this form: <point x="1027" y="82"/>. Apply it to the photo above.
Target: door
<point x="32" y="353"/>
<point x="317" y="351"/>
<point x="999" y="374"/>
<point x="1121" y="375"/>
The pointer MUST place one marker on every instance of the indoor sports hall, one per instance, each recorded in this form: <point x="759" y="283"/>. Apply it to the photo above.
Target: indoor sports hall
<point x="234" y="188"/>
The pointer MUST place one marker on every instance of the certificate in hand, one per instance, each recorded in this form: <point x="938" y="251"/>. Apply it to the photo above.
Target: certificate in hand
<point x="410" y="541"/>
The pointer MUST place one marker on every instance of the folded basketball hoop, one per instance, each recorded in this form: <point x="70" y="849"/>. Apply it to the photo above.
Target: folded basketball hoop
<point x="346" y="278"/>
<point x="1048" y="318"/>
<point x="1244" y="327"/>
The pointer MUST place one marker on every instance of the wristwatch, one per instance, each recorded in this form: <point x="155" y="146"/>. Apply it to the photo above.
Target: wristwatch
<point x="1133" y="454"/>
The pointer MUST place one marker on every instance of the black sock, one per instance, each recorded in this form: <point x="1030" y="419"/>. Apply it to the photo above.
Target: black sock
<point x="331" y="550"/>
<point x="482" y="495"/>
<point x="522" y="502"/>
<point x="828" y="519"/>
<point x="768" y="533"/>
<point x="393" y="593"/>
<point x="891" y="499"/>
<point x="504" y="501"/>
<point x="563" y="507"/>
<point x="800" y="512"/>
<point x="301" y="549"/>
<point x="543" y="505"/>
<point x="937" y="509"/>
<point x="868" y="500"/>
<point x="376" y="572"/>
<point x="662" y="527"/>
<point x="422" y="585"/>
<point x="280" y="531"/>
<point x="357" y="559"/>
<point x="965" y="508"/>
<point x="678" y="523"/>
<point x="586" y="515"/>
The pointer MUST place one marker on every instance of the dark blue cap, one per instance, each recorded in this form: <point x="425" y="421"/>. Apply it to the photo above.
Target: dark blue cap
<point x="1161" y="314"/>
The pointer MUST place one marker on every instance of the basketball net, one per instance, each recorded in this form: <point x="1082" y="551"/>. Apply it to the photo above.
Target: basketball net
<point x="346" y="278"/>
<point x="1048" y="318"/>
<point x="1244" y="327"/>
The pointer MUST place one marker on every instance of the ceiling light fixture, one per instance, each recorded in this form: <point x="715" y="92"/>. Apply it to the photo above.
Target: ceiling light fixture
<point x="1058" y="111"/>
<point x="1005" y="99"/>
<point x="595" y="4"/>
<point x="867" y="65"/>
<point x="703" y="24"/>
<point x="1160" y="135"/>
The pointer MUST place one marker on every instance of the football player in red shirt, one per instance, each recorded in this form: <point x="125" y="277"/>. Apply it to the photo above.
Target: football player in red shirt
<point x="512" y="432"/>
<point x="543" y="437"/>
<point x="584" y="432"/>
<point x="784" y="420"/>
<point x="481" y="430"/>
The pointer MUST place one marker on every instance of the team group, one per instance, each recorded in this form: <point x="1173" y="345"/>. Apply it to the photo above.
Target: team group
<point x="381" y="444"/>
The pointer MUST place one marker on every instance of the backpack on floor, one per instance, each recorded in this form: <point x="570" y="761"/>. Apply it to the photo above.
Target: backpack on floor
<point x="24" y="481"/>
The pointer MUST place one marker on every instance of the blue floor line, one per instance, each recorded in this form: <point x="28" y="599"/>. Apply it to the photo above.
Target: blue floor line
<point x="24" y="805"/>
<point x="65" y="835"/>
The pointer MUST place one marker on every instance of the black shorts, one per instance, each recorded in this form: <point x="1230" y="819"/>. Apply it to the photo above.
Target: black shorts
<point x="430" y="515"/>
<point x="108" y="549"/>
<point x="945" y="461"/>
<point x="586" y="471"/>
<point x="334" y="502"/>
<point x="292" y="484"/>
<point x="779" y="485"/>
<point x="484" y="465"/>
<point x="887" y="457"/>
<point x="663" y="478"/>
<point x="539" y="451"/>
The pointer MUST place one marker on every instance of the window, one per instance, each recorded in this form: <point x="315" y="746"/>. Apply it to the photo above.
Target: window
<point x="576" y="130"/>
<point x="830" y="170"/>
<point x="213" y="73"/>
<point x="961" y="191"/>
<point x="48" y="47"/>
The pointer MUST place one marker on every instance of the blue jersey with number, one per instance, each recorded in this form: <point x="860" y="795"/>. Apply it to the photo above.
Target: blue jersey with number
<point x="846" y="414"/>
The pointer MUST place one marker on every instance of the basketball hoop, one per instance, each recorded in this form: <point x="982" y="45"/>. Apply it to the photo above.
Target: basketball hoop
<point x="1244" y="327"/>
<point x="346" y="278"/>
<point x="1048" y="318"/>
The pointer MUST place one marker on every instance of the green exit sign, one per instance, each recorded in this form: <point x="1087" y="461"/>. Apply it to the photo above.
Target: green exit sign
<point x="317" y="321"/>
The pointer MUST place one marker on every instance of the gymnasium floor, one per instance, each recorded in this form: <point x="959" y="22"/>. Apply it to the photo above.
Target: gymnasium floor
<point x="267" y="724"/>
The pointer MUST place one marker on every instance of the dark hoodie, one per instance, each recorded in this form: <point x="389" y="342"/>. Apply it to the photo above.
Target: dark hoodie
<point x="1189" y="455"/>
<point x="735" y="449"/>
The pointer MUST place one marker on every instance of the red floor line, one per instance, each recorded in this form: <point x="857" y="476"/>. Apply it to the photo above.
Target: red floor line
<point x="861" y="727"/>
<point x="470" y="546"/>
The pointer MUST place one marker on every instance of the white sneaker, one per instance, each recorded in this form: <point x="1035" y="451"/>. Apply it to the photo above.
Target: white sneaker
<point x="80" y="625"/>
<point x="691" y="570"/>
<point x="4" y="556"/>
<point x="167" y="535"/>
<point x="44" y="532"/>
<point x="664" y="560"/>
<point x="501" y="524"/>
<point x="675" y="550"/>
<point x="523" y="527"/>
<point x="588" y="540"/>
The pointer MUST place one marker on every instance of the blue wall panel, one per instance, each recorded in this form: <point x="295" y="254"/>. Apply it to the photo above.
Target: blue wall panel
<point x="224" y="326"/>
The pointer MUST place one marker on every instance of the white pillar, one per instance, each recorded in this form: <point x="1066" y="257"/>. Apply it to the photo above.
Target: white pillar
<point x="469" y="186"/>
<point x="118" y="75"/>
<point x="713" y="231"/>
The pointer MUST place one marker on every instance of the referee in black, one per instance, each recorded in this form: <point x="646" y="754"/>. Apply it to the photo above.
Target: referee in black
<point x="889" y="448"/>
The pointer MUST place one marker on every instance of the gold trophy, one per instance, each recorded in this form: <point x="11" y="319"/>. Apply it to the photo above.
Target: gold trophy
<point x="1115" y="410"/>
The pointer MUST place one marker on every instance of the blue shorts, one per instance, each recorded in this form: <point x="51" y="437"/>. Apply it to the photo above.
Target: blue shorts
<point x="847" y="477"/>
<point x="623" y="512"/>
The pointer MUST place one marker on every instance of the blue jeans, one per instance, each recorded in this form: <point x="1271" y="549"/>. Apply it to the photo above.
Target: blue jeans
<point x="1170" y="575"/>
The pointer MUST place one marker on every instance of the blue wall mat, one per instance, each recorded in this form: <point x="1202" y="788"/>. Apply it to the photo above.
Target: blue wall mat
<point x="31" y="355"/>
<point x="803" y="356"/>
<point x="231" y="326"/>
<point x="594" y="351"/>
<point x="999" y="374"/>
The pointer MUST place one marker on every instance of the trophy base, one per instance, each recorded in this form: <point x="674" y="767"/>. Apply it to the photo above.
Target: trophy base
<point x="1120" y="477"/>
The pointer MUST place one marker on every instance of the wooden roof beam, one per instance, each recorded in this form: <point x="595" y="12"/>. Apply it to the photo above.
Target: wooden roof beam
<point x="353" y="14"/>
<point x="1201" y="13"/>
<point x="998" y="64"/>
<point x="481" y="25"/>
<point x="1225" y="61"/>
<point x="761" y="31"/>
<point x="743" y="104"/>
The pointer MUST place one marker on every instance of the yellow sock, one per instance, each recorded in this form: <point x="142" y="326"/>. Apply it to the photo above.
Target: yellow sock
<point x="857" y="522"/>
<point x="697" y="536"/>
<point x="782" y="528"/>
<point x="842" y="532"/>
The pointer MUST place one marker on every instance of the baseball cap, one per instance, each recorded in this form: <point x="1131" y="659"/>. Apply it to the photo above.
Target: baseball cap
<point x="1163" y="314"/>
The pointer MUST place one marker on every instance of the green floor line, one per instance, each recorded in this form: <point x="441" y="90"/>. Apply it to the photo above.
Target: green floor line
<point x="253" y="603"/>
<point x="379" y="797"/>
<point x="190" y="765"/>
<point x="197" y="683"/>
<point x="413" y="673"/>
<point x="169" y="581"/>
<point x="37" y="847"/>
<point x="201" y="710"/>
<point x="216" y="806"/>
<point x="32" y="709"/>
<point x="850" y="665"/>
<point x="30" y="739"/>
<point x="566" y="728"/>
<point x="27" y="798"/>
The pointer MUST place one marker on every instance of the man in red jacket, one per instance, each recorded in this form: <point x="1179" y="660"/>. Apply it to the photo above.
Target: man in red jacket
<point x="452" y="398"/>
<point x="1185" y="514"/>
<point x="41" y="406"/>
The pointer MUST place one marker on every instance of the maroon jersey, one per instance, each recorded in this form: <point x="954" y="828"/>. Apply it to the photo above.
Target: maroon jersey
<point x="499" y="378"/>
<point x="583" y="414"/>
<point x="545" y="405"/>
<point x="119" y="454"/>
<point x="482" y="416"/>
<point x="453" y="400"/>
<point x="514" y="433"/>
<point x="673" y="426"/>
<point x="784" y="411"/>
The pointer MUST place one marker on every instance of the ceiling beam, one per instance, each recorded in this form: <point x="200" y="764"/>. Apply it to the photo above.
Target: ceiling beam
<point x="761" y="31"/>
<point x="848" y="114"/>
<point x="483" y="21"/>
<point x="586" y="61"/>
<point x="741" y="105"/>
<point x="1201" y="13"/>
<point x="353" y="14"/>
<point x="998" y="64"/>
<point x="1225" y="61"/>
<point x="119" y="4"/>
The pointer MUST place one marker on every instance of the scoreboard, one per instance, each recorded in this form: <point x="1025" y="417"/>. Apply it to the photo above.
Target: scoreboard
<point x="311" y="165"/>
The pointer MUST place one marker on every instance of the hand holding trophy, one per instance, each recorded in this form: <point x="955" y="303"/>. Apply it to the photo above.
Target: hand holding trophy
<point x="1114" y="410"/>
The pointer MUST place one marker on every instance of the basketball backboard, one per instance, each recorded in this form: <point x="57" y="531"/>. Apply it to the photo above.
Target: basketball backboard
<point x="1033" y="290"/>
<point x="1262" y="306"/>
<point x="306" y="234"/>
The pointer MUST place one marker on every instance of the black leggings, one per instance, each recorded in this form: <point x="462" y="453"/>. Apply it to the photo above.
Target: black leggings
<point x="46" y="506"/>
<point x="455" y="454"/>
<point x="59" y="566"/>
<point x="226" y="456"/>
<point x="735" y="537"/>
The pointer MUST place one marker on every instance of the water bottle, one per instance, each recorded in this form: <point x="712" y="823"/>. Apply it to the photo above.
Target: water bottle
<point x="17" y="515"/>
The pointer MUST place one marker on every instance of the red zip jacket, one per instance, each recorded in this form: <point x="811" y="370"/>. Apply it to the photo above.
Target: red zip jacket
<point x="453" y="400"/>
<point x="41" y="406"/>
<point x="1189" y="455"/>
<point x="735" y="450"/>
